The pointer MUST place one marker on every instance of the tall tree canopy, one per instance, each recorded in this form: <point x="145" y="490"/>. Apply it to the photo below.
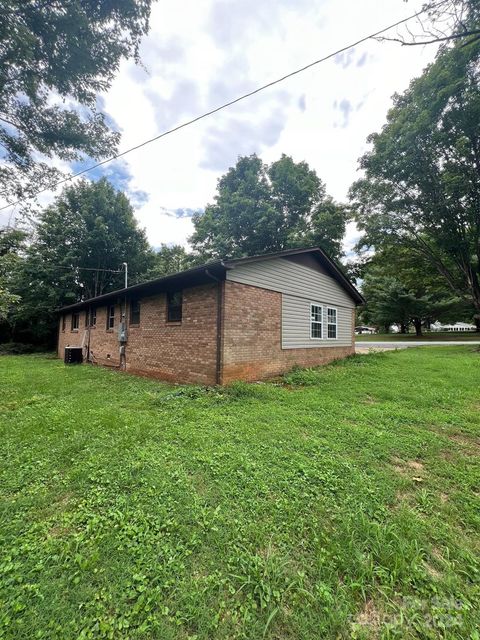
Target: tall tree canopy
<point x="401" y="289"/>
<point x="422" y="177"/>
<point x="169" y="259"/>
<point x="56" y="56"/>
<point x="79" y="242"/>
<point x="11" y="243"/>
<point x="261" y="208"/>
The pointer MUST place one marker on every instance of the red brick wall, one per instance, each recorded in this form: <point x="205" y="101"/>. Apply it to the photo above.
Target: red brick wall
<point x="187" y="351"/>
<point x="69" y="338"/>
<point x="180" y="352"/>
<point x="252" y="337"/>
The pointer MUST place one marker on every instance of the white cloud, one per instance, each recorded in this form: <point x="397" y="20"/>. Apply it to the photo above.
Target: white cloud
<point x="201" y="53"/>
<point x="163" y="227"/>
<point x="352" y="236"/>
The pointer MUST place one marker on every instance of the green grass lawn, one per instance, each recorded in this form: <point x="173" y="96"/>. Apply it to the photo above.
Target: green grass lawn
<point x="446" y="336"/>
<point x="338" y="503"/>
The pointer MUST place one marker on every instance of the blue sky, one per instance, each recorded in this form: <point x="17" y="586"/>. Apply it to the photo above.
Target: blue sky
<point x="201" y="53"/>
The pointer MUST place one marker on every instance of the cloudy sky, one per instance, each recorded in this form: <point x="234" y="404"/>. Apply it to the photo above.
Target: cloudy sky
<point x="201" y="53"/>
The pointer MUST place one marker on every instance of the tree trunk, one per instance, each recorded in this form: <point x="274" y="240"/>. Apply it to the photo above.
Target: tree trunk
<point x="417" y="323"/>
<point x="476" y="297"/>
<point x="403" y="327"/>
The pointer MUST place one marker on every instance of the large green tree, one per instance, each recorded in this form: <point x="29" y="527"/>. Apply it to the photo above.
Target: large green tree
<point x="12" y="242"/>
<point x="261" y="208"/>
<point x="169" y="259"/>
<point x="401" y="288"/>
<point x="422" y="177"/>
<point x="77" y="250"/>
<point x="56" y="57"/>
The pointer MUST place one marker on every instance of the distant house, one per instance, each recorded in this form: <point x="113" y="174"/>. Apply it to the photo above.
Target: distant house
<point x="363" y="329"/>
<point x="457" y="327"/>
<point x="245" y="319"/>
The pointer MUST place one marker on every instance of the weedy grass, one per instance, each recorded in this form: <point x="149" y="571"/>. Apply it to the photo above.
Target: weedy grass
<point x="339" y="502"/>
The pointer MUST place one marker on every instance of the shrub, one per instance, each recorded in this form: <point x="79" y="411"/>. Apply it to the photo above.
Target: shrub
<point x="303" y="377"/>
<point x="19" y="348"/>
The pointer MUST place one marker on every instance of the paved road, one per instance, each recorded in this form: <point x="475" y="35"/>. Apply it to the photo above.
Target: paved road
<point x="398" y="344"/>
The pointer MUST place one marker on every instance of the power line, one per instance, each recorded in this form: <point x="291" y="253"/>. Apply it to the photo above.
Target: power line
<point x="217" y="109"/>
<point x="73" y="268"/>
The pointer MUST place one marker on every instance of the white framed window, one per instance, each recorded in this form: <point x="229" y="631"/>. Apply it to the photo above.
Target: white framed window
<point x="332" y="323"/>
<point x="316" y="321"/>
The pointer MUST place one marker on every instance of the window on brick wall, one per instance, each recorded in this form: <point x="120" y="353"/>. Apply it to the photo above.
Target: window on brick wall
<point x="174" y="306"/>
<point x="331" y="323"/>
<point x="316" y="324"/>
<point x="135" y="312"/>
<point x="110" y="316"/>
<point x="92" y="317"/>
<point x="63" y="322"/>
<point x="75" y="321"/>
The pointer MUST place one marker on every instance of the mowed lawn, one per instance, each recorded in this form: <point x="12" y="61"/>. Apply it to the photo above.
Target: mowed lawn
<point x="337" y="503"/>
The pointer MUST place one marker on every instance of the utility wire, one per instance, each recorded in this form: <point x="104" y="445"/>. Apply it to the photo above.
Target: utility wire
<point x="220" y="108"/>
<point x="59" y="266"/>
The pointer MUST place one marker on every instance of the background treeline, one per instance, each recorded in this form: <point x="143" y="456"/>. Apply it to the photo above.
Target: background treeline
<point x="417" y="205"/>
<point x="76" y="247"/>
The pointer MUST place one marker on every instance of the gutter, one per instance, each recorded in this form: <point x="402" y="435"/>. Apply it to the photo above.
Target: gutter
<point x="119" y="293"/>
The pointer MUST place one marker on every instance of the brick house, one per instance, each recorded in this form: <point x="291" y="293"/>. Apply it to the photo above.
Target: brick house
<point x="246" y="319"/>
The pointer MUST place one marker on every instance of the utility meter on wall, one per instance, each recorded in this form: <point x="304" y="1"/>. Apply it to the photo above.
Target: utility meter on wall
<point x="122" y="330"/>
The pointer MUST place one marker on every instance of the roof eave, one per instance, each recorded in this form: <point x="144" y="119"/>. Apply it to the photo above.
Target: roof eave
<point x="220" y="266"/>
<point x="158" y="283"/>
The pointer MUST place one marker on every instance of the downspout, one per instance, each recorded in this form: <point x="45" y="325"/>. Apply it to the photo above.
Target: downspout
<point x="58" y="334"/>
<point x="122" y="364"/>
<point x="218" y="364"/>
<point x="89" y="326"/>
<point x="123" y="345"/>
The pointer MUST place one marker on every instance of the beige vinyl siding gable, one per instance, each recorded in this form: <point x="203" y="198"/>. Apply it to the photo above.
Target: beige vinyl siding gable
<point x="300" y="286"/>
<point x="288" y="277"/>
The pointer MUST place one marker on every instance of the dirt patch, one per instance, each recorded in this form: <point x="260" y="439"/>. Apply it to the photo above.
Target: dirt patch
<point x="471" y="445"/>
<point x="398" y="465"/>
<point x="370" y="617"/>
<point x="449" y="456"/>
<point x="406" y="467"/>
<point x="63" y="501"/>
<point x="399" y="469"/>
<point x="415" y="464"/>
<point x="369" y="400"/>
<point x="402" y="499"/>
<point x="432" y="571"/>
<point x="443" y="498"/>
<point x="437" y="554"/>
<point x="59" y="532"/>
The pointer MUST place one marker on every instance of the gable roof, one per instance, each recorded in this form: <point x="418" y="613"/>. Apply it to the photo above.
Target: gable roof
<point x="215" y="271"/>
